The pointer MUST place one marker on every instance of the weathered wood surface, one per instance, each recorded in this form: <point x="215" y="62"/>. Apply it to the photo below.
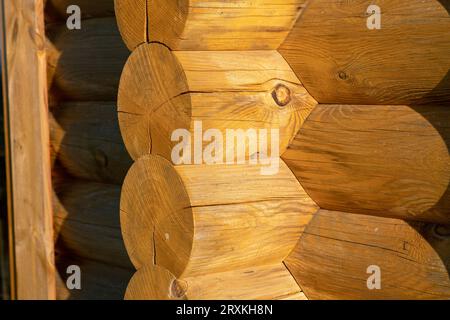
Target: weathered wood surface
<point x="388" y="161"/>
<point x="161" y="91"/>
<point x="87" y="63"/>
<point x="273" y="282"/>
<point x="242" y="218"/>
<point x="208" y="25"/>
<point x="87" y="222"/>
<point x="332" y="257"/>
<point x="339" y="60"/>
<point x="86" y="139"/>
<point x="28" y="147"/>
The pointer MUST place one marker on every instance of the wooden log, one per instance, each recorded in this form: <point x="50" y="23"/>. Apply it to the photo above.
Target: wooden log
<point x="89" y="8"/>
<point x="390" y="161"/>
<point x="341" y="61"/>
<point x="273" y="282"/>
<point x="99" y="281"/>
<point x="90" y="60"/>
<point x="131" y="16"/>
<point x="332" y="258"/>
<point x="242" y="218"/>
<point x="207" y="25"/>
<point x="161" y="91"/>
<point x="87" y="223"/>
<point x="86" y="139"/>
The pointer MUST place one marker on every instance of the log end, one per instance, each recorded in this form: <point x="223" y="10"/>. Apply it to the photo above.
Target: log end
<point x="156" y="215"/>
<point x="154" y="283"/>
<point x="151" y="81"/>
<point x="131" y="19"/>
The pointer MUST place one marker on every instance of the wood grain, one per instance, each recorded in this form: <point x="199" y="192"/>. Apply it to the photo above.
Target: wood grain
<point x="388" y="161"/>
<point x="341" y="61"/>
<point x="89" y="61"/>
<point x="208" y="25"/>
<point x="86" y="139"/>
<point x="28" y="149"/>
<point x="332" y="257"/>
<point x="87" y="222"/>
<point x="161" y="91"/>
<point x="272" y="282"/>
<point x="131" y="16"/>
<point x="242" y="218"/>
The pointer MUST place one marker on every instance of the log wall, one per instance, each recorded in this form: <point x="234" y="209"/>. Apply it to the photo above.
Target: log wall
<point x="375" y="151"/>
<point x="88" y="156"/>
<point x="212" y="62"/>
<point x="366" y="129"/>
<point x="363" y="121"/>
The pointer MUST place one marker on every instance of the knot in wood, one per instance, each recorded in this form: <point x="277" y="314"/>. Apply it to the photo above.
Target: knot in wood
<point x="282" y="95"/>
<point x="442" y="230"/>
<point x="342" y="75"/>
<point x="178" y="289"/>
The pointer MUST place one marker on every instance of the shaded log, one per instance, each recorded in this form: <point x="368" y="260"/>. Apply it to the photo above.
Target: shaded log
<point x="86" y="140"/>
<point x="89" y="61"/>
<point x="98" y="281"/>
<point x="87" y="223"/>
<point x="89" y="8"/>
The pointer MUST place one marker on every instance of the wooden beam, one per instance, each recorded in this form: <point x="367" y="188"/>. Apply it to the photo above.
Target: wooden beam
<point x="389" y="161"/>
<point x="207" y="25"/>
<point x="332" y="258"/>
<point x="242" y="218"/>
<point x="29" y="156"/>
<point x="161" y="91"/>
<point x="340" y="60"/>
<point x="269" y="282"/>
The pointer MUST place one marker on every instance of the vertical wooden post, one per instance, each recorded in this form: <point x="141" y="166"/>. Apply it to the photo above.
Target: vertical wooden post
<point x="26" y="119"/>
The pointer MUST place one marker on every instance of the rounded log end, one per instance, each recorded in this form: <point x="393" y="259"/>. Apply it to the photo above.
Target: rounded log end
<point x="155" y="283"/>
<point x="164" y="23"/>
<point x="131" y="16"/>
<point x="151" y="101"/>
<point x="167" y="21"/>
<point x="156" y="216"/>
